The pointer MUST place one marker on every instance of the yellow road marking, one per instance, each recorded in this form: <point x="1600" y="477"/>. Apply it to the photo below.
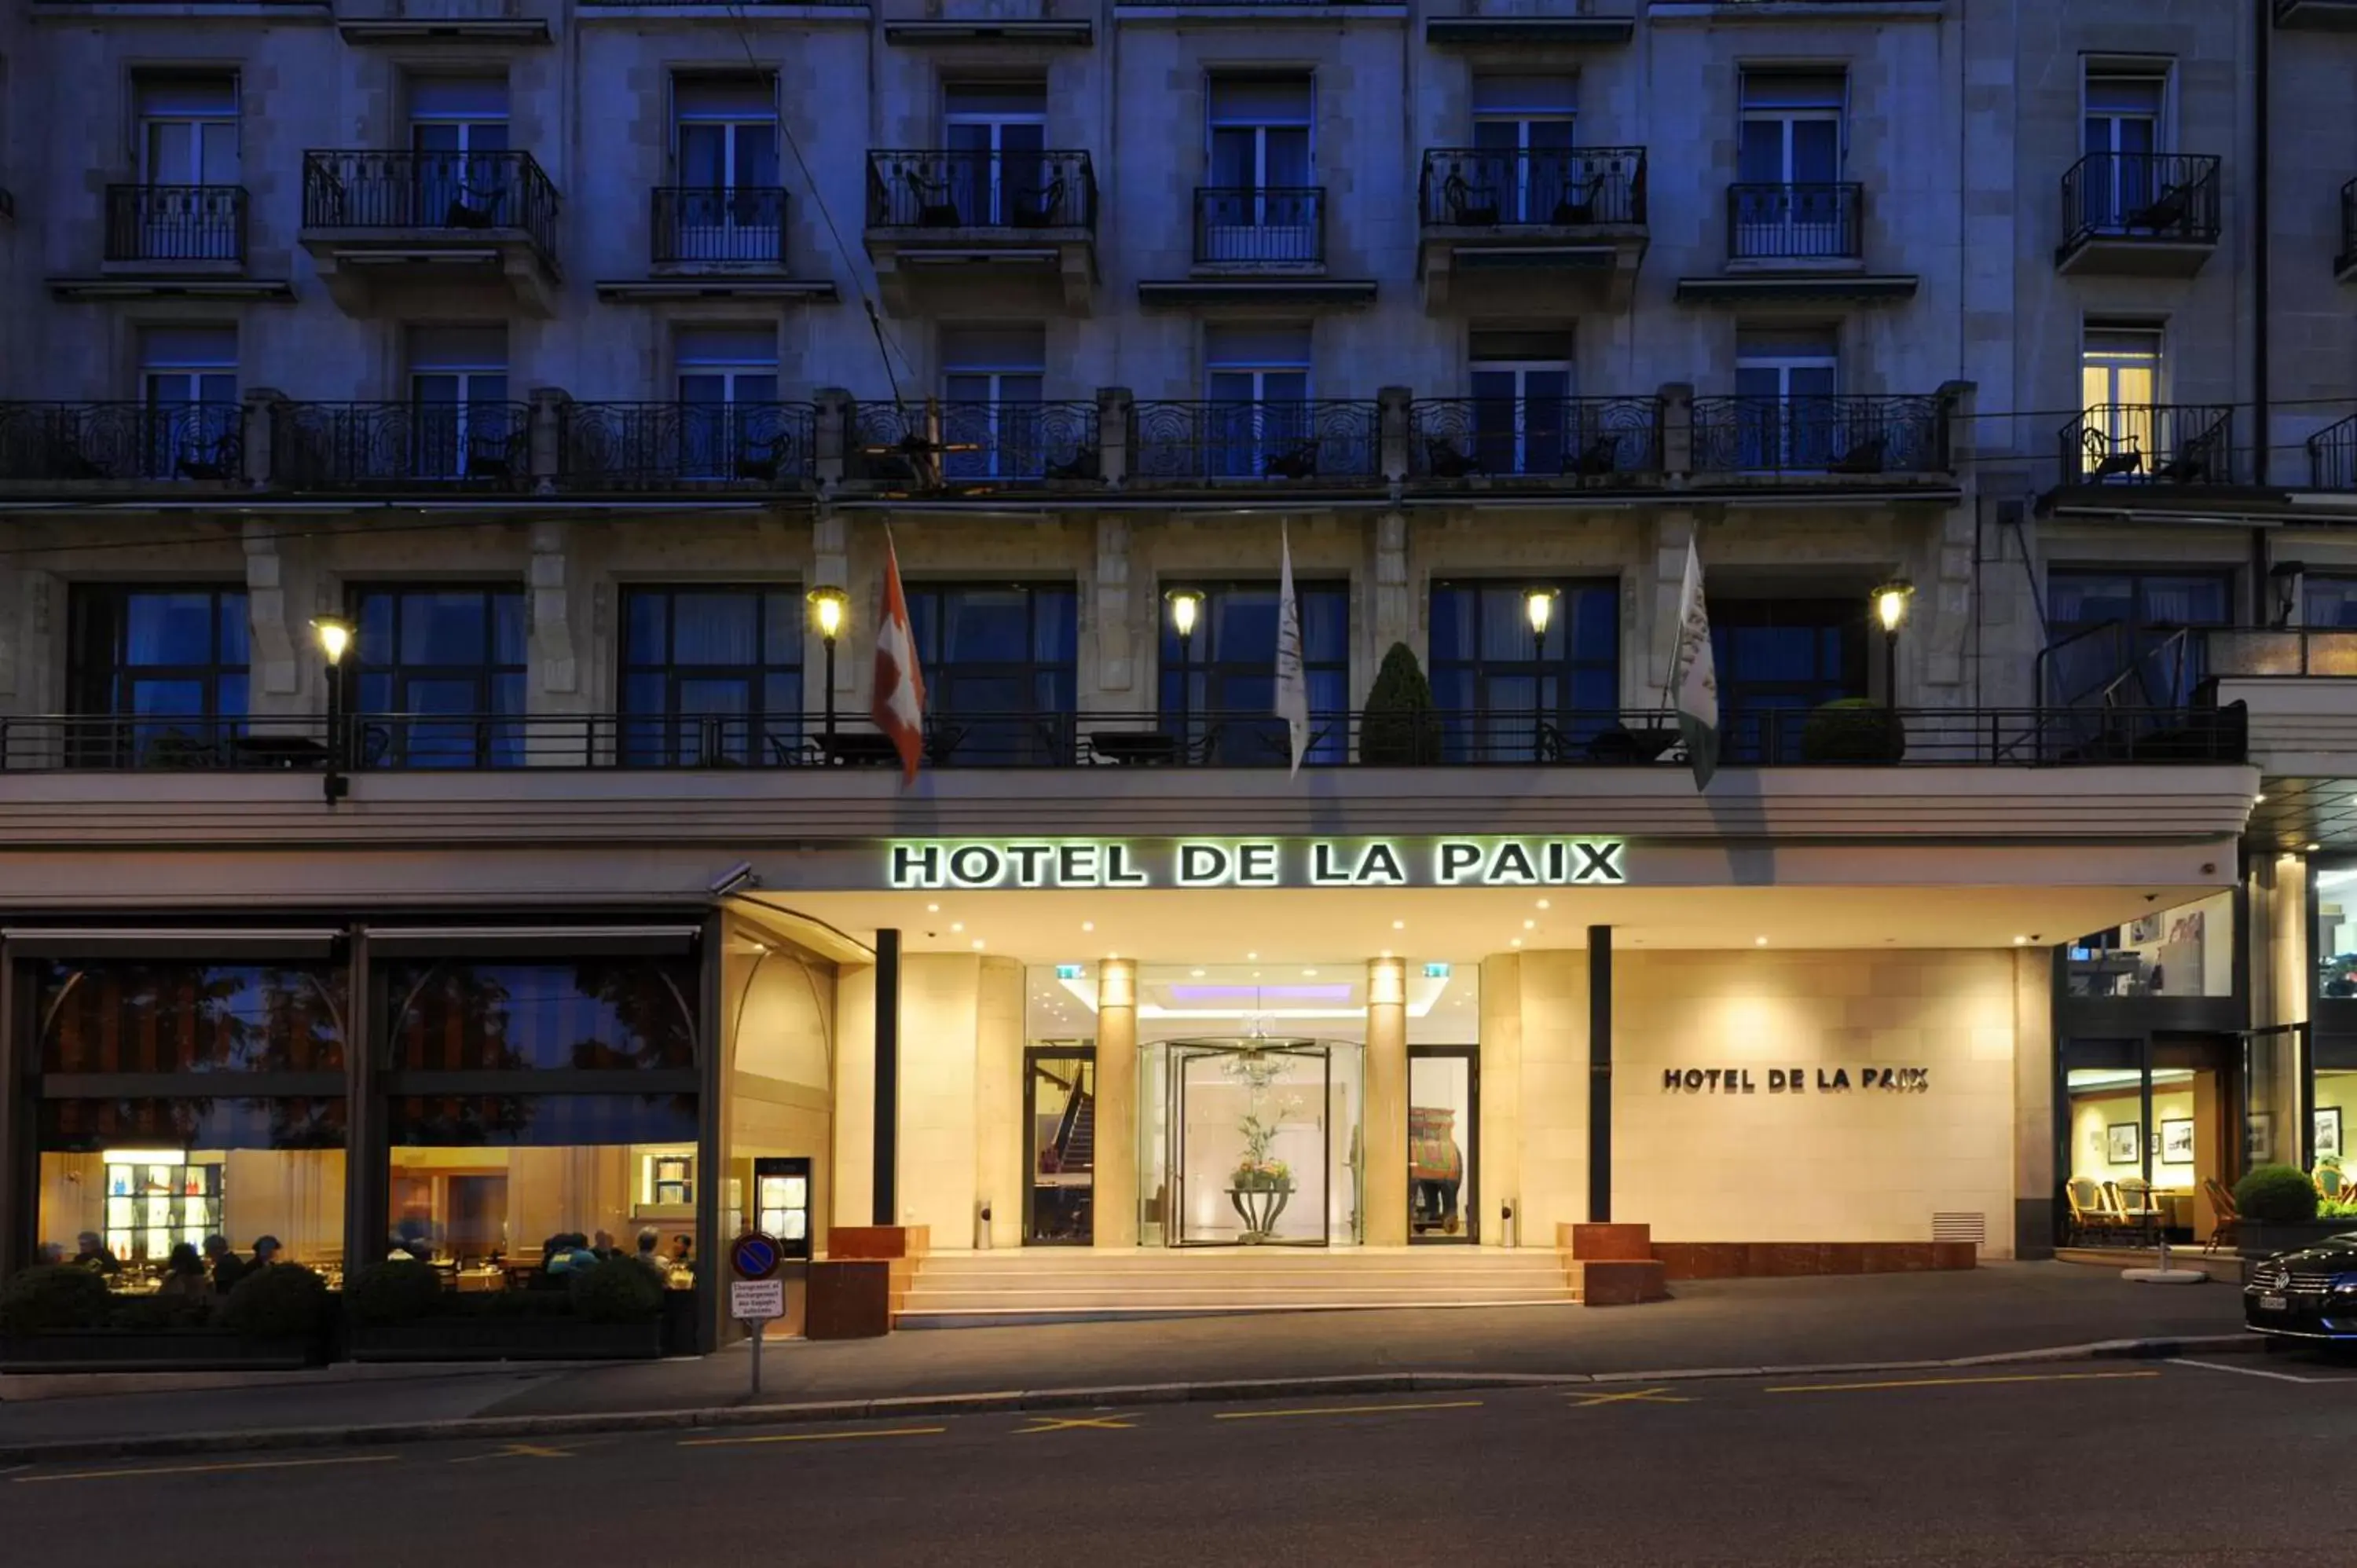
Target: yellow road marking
<point x="1957" y="1382"/>
<point x="1059" y="1424"/>
<point x="1647" y="1396"/>
<point x="1340" y="1410"/>
<point x="519" y="1451"/>
<point x="811" y="1437"/>
<point x="210" y="1469"/>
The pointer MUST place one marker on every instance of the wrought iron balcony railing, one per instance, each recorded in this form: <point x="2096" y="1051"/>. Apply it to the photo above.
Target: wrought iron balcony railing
<point x="2332" y="456"/>
<point x="175" y="223"/>
<point x="1595" y="438"/>
<point x="725" y="225"/>
<point x="1261" y="226"/>
<point x="924" y="446"/>
<point x="1332" y="441"/>
<point x="456" y="192"/>
<point x="369" y="445"/>
<point x="970" y="188"/>
<point x="2169" y="197"/>
<point x="1532" y="188"/>
<point x="1794" y="222"/>
<point x="367" y="742"/>
<point x="684" y="445"/>
<point x="2150" y="443"/>
<point x="1843" y="435"/>
<point x="65" y="443"/>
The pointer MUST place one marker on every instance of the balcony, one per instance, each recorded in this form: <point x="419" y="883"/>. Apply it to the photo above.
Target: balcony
<point x="413" y="742"/>
<point x="717" y="242"/>
<point x="1533" y="220"/>
<point x="1839" y="440"/>
<point x="2332" y="456"/>
<point x="944" y="219"/>
<point x="2139" y="215"/>
<point x="2298" y="689"/>
<point x="973" y="446"/>
<point x="398" y="232"/>
<point x="357" y="447"/>
<point x="684" y="447"/>
<point x="1521" y="22"/>
<point x="1320" y="442"/>
<point x="130" y="447"/>
<point x="195" y="227"/>
<point x="1795" y="241"/>
<point x="1599" y="442"/>
<point x="2322" y="15"/>
<point x="2150" y="444"/>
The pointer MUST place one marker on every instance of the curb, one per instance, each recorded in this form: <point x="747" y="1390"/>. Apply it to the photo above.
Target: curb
<point x="1022" y="1400"/>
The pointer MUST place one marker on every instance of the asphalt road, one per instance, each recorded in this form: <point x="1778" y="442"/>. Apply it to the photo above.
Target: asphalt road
<point x="2241" y="1461"/>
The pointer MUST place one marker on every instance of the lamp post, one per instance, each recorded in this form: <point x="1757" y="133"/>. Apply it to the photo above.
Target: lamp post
<point x="827" y="607"/>
<point x="334" y="635"/>
<point x="1186" y="605"/>
<point x="1538" y="609"/>
<point x="1891" y="603"/>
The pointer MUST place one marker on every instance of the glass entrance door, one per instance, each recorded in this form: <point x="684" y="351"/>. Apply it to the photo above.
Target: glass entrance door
<point x="1251" y="1143"/>
<point x="1060" y="1104"/>
<point x="1443" y="1153"/>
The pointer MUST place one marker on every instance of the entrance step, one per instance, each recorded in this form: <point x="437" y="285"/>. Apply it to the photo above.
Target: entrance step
<point x="1059" y="1285"/>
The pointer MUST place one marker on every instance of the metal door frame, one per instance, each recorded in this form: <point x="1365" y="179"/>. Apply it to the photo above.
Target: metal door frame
<point x="1033" y="1054"/>
<point x="1468" y="1201"/>
<point x="1178" y="1052"/>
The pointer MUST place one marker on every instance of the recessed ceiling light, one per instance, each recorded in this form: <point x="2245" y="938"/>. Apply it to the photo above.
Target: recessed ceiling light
<point x="977" y="943"/>
<point x="1544" y="904"/>
<point x="1088" y="925"/>
<point x="932" y="908"/>
<point x="957" y="925"/>
<point x="1250" y="957"/>
<point x="1399" y="925"/>
<point x="1386" y="953"/>
<point x="1760" y="941"/>
<point x="2314" y="847"/>
<point x="1197" y="973"/>
<point x="1530" y="924"/>
<point x="1309" y="974"/>
<point x="2022" y="941"/>
<point x="2258" y="799"/>
<point x="1517" y="942"/>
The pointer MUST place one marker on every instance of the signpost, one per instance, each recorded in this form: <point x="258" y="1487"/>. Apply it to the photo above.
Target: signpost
<point x="756" y="1296"/>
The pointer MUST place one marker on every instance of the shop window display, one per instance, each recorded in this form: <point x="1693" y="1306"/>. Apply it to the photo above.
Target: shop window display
<point x="2185" y="951"/>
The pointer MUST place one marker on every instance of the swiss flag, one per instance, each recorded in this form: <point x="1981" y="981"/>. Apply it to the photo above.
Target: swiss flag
<point x="898" y="702"/>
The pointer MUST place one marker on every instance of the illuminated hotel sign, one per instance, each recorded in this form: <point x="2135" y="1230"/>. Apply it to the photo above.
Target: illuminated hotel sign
<point x="1258" y="863"/>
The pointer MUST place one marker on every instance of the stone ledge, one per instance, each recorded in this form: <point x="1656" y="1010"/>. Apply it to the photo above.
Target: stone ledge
<point x="1618" y="1281"/>
<point x="1784" y="1260"/>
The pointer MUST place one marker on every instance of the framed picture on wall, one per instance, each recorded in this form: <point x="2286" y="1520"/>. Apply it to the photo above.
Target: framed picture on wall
<point x="2177" y="1142"/>
<point x="2120" y="1143"/>
<point x="2328" y="1133"/>
<point x="2259" y="1139"/>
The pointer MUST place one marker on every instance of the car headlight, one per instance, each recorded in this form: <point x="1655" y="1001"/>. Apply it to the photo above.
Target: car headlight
<point x="2344" y="1284"/>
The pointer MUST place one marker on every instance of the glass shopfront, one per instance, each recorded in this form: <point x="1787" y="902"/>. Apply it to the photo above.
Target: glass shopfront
<point x="1443" y="1125"/>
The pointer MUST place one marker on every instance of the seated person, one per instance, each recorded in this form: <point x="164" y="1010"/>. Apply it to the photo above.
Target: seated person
<point x="94" y="1255"/>
<point x="228" y="1267"/>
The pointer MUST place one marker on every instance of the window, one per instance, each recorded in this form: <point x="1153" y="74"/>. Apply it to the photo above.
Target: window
<point x="1260" y="206"/>
<point x="998" y="663"/>
<point x="1777" y="658"/>
<point x="1257" y="380"/>
<point x="1785" y="380"/>
<point x="1521" y="385"/>
<point x="993" y="380"/>
<point x="1787" y="201"/>
<point x="189" y="388"/>
<point x="1220" y="684"/>
<point x="2130" y="634"/>
<point x="464" y="424"/>
<point x="2185" y="951"/>
<point x="1523" y="128"/>
<point x="729" y="206"/>
<point x="2327" y="601"/>
<point x="1493" y="681"/>
<point x="994" y="132"/>
<point x="437" y="670"/>
<point x="711" y="675"/>
<point x="729" y="417"/>
<point x="2124" y="112"/>
<point x="458" y="133"/>
<point x="175" y="659"/>
<point x="2119" y="379"/>
<point x="187" y="205"/>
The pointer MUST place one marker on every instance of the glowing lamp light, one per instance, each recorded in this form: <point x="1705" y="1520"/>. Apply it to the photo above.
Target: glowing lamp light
<point x="335" y="636"/>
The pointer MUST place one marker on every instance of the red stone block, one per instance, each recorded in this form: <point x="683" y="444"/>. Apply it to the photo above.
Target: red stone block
<point x="1610" y="1243"/>
<point x="1621" y="1282"/>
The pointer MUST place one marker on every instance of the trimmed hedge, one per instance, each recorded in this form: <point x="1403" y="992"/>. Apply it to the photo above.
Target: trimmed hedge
<point x="619" y="1290"/>
<point x="278" y="1301"/>
<point x="2276" y="1194"/>
<point x="53" y="1296"/>
<point x="397" y="1291"/>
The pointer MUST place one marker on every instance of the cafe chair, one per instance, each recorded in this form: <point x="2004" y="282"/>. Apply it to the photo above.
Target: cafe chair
<point x="2090" y="1212"/>
<point x="1469" y="207"/>
<point x="2133" y="1196"/>
<point x="2228" y="1229"/>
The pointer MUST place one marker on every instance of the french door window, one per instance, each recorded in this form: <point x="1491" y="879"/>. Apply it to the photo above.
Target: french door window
<point x="1493" y="682"/>
<point x="2123" y="135"/>
<point x="1219" y="685"/>
<point x="711" y="674"/>
<point x="999" y="664"/>
<point x="171" y="660"/>
<point x="458" y="128"/>
<point x="993" y="380"/>
<point x="1523" y="128"/>
<point x="1261" y="207"/>
<point x="189" y="388"/>
<point x="437" y="676"/>
<point x="1778" y="659"/>
<point x="462" y="424"/>
<point x="1257" y="382"/>
<point x="1522" y="384"/>
<point x="729" y="419"/>
<point x="2119" y="379"/>
<point x="1788" y="166"/>
<point x="1785" y="383"/>
<point x="725" y="150"/>
<point x="995" y="132"/>
<point x="188" y="168"/>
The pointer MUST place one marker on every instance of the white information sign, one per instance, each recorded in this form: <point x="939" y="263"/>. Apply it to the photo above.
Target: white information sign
<point x="757" y="1301"/>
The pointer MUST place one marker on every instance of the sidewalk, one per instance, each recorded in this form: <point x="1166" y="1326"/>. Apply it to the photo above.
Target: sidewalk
<point x="2003" y="1309"/>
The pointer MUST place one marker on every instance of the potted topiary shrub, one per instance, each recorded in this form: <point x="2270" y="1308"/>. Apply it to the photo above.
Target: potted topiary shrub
<point x="52" y="1297"/>
<point x="1853" y="729"/>
<point x="399" y="1291"/>
<point x="64" y="1319"/>
<point x="2279" y="1205"/>
<point x="400" y="1312"/>
<point x="1399" y="727"/>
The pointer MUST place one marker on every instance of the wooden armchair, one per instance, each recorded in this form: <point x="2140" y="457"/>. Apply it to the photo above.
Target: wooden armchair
<point x="2090" y="1212"/>
<point x="2227" y="1230"/>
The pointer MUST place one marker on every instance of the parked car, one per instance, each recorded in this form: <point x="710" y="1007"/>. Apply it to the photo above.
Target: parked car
<point x="2308" y="1295"/>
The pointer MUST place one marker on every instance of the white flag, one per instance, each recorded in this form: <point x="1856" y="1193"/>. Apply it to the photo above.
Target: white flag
<point x="1292" y="682"/>
<point x="1693" y="675"/>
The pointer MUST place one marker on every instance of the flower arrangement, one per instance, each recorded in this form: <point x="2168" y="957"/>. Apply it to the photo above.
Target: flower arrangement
<point x="1261" y="1174"/>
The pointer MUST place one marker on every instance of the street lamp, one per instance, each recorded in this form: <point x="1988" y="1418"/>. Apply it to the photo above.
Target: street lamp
<point x="1538" y="609"/>
<point x="828" y="606"/>
<point x="1186" y="605"/>
<point x="334" y="634"/>
<point x="1891" y="604"/>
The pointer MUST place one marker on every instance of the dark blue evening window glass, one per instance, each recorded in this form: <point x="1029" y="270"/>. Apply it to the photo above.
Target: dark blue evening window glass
<point x="711" y="675"/>
<point x="623" y="1014"/>
<point x="998" y="663"/>
<point x="1777" y="658"/>
<point x="1505" y="695"/>
<point x="537" y="1121"/>
<point x="171" y="662"/>
<point x="87" y="1125"/>
<point x="175" y="1016"/>
<point x="1219" y="687"/>
<point x="437" y="676"/>
<point x="2133" y="636"/>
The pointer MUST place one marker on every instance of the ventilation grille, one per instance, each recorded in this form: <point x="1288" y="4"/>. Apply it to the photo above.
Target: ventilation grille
<point x="1973" y="1227"/>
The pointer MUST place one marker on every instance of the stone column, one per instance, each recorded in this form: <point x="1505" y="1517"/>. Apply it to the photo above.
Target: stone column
<point x="1383" y="1118"/>
<point x="1116" y="1107"/>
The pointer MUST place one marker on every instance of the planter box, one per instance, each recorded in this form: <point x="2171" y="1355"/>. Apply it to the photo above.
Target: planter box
<point x="2258" y="1241"/>
<point x="504" y="1339"/>
<point x="152" y="1350"/>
